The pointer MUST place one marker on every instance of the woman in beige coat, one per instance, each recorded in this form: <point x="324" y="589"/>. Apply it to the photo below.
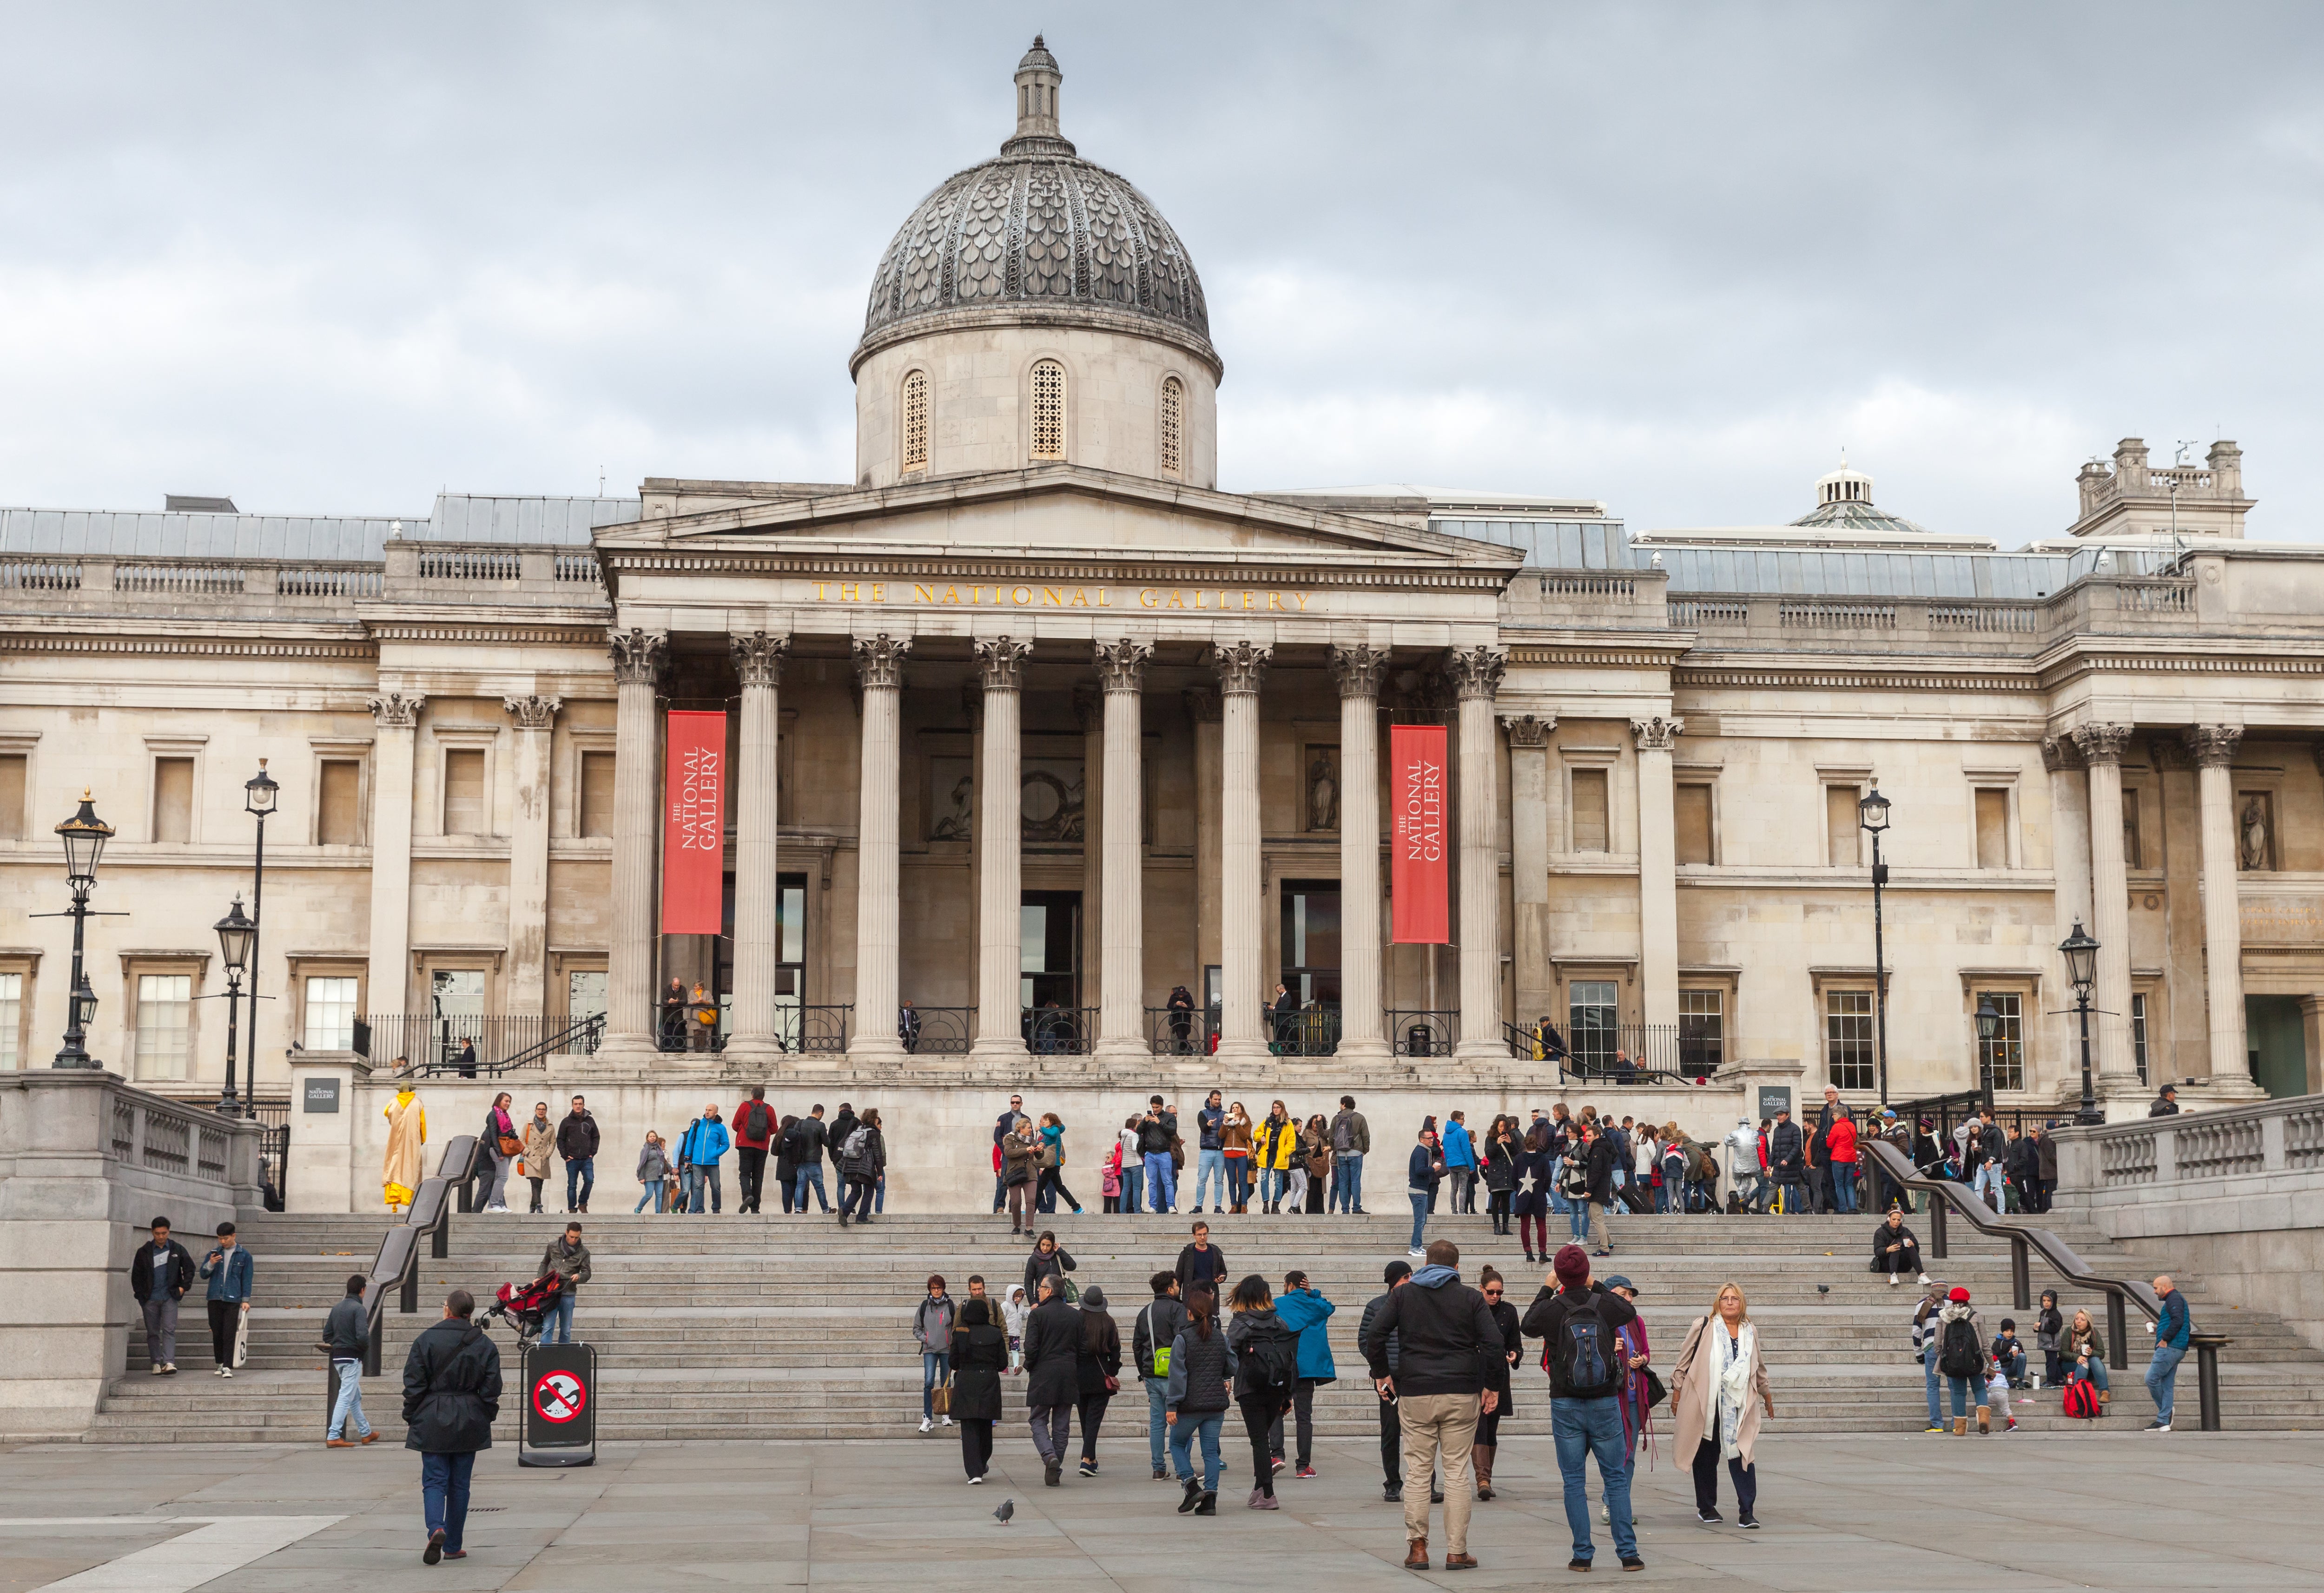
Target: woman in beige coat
<point x="1719" y="1388"/>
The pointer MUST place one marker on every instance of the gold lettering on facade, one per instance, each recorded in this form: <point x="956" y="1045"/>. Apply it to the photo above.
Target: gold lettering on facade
<point x="1055" y="598"/>
<point x="1179" y="598"/>
<point x="847" y="592"/>
<point x="1020" y="596"/>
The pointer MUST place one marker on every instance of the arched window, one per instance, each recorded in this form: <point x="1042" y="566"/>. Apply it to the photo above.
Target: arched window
<point x="1174" y="397"/>
<point x="1048" y="410"/>
<point x="916" y="420"/>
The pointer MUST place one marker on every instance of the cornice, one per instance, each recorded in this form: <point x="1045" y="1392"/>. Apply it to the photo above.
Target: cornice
<point x="1843" y="678"/>
<point x="203" y="647"/>
<point x="950" y="564"/>
<point x="543" y="635"/>
<point x="1633" y="652"/>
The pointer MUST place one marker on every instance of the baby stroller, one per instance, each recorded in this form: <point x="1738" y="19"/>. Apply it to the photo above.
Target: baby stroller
<point x="524" y="1306"/>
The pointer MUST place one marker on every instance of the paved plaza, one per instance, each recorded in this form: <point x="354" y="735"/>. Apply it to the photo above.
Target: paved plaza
<point x="2117" y="1510"/>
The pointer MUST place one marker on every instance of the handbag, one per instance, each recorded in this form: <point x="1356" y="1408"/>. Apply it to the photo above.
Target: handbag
<point x="942" y="1398"/>
<point x="511" y="1145"/>
<point x="1656" y="1392"/>
<point x="1069" y="1290"/>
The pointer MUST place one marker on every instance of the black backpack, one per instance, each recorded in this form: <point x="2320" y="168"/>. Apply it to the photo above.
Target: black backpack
<point x="1589" y="1361"/>
<point x="1959" y="1354"/>
<point x="1271" y="1357"/>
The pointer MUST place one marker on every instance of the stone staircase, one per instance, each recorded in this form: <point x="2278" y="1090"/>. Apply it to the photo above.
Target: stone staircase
<point x="778" y="1326"/>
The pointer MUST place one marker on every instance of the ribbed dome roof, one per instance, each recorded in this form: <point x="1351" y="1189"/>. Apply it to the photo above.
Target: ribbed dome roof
<point x="1036" y="229"/>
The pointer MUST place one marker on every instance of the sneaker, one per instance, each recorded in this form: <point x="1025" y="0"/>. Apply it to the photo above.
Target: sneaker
<point x="1708" y="1517"/>
<point x="1924" y="1280"/>
<point x="1279" y="1462"/>
<point x="944" y="1420"/>
<point x="1751" y="1522"/>
<point x="1161" y="1473"/>
<point x="171" y="1369"/>
<point x="1604" y="1517"/>
<point x="435" y="1550"/>
<point x="156" y="1369"/>
<point x="2012" y="1425"/>
<point x="1893" y="1280"/>
<point x="2158" y="1425"/>
<point x="1934" y="1427"/>
<point x="975" y="1480"/>
<point x="1089" y="1467"/>
<point x="456" y="1554"/>
<point x="1421" y="1254"/>
<point x="1577" y="1565"/>
<point x="926" y="1425"/>
<point x="1304" y="1472"/>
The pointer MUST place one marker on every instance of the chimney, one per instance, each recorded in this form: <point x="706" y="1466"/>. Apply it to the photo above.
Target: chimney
<point x="2226" y="462"/>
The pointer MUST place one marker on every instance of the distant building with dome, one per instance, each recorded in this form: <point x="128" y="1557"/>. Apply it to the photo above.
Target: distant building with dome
<point x="938" y="781"/>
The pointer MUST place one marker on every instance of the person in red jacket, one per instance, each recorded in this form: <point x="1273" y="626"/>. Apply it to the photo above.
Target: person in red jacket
<point x="754" y="1126"/>
<point x="1840" y="1143"/>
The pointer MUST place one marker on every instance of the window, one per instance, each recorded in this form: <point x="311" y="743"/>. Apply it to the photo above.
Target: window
<point x="2131" y="856"/>
<point x="1691" y="809"/>
<point x="1848" y="1055"/>
<point x="1591" y="1018"/>
<point x="1048" y="410"/>
<point x="164" y="1019"/>
<point x="1992" y="827"/>
<point x="1843" y="847"/>
<point x="1702" y="1031"/>
<point x="173" y="799"/>
<point x="1590" y="810"/>
<point x="11" y="1016"/>
<point x="2138" y="1034"/>
<point x="1174" y="395"/>
<point x="464" y="791"/>
<point x="338" y="815"/>
<point x="597" y="819"/>
<point x="2004" y="1054"/>
<point x="330" y="1014"/>
<point x="11" y="796"/>
<point x="916" y="420"/>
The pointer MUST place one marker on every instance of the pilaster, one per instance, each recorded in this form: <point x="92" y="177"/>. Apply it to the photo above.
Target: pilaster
<point x="528" y="899"/>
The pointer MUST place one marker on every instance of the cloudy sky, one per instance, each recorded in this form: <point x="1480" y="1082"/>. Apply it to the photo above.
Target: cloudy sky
<point x="1674" y="257"/>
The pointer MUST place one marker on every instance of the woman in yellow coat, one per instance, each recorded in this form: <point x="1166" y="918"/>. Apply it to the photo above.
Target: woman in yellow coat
<point x="1719" y="1387"/>
<point x="1276" y="1141"/>
<point x="407" y="1131"/>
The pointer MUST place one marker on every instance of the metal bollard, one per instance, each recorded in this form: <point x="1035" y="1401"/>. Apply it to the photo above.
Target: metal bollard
<point x="2207" y="1379"/>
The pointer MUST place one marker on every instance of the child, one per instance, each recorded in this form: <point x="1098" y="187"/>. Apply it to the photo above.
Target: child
<point x="2008" y="1354"/>
<point x="2047" y="1327"/>
<point x="1110" y="1184"/>
<point x="1016" y="1309"/>
<point x="1996" y="1395"/>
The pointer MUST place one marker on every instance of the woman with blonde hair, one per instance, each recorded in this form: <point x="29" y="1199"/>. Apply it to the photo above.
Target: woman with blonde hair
<point x="1719" y="1388"/>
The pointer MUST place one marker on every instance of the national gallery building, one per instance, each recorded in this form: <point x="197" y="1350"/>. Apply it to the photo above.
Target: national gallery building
<point x="938" y="782"/>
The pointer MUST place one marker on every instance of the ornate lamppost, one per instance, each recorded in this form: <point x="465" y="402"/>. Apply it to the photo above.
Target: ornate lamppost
<point x="259" y="795"/>
<point x="236" y="933"/>
<point x="1988" y="1025"/>
<point x="84" y="836"/>
<point x="2081" y="956"/>
<point x="1873" y="816"/>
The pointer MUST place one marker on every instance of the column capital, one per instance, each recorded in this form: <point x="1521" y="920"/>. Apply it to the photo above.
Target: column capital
<point x="759" y="656"/>
<point x="2059" y="753"/>
<point x="880" y="660"/>
<point x="1122" y="664"/>
<point x="1527" y="730"/>
<point x="533" y="713"/>
<point x="396" y="710"/>
<point x="1657" y="734"/>
<point x="2165" y="750"/>
<point x="1359" y="669"/>
<point x="1240" y="667"/>
<point x="1001" y="662"/>
<point x="1477" y="671"/>
<point x="2213" y="746"/>
<point x="2101" y="743"/>
<point x="1203" y="704"/>
<point x="638" y="654"/>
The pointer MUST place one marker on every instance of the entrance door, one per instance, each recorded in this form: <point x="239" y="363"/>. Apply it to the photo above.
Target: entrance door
<point x="2279" y="1050"/>
<point x="1311" y="968"/>
<point x="1049" y="984"/>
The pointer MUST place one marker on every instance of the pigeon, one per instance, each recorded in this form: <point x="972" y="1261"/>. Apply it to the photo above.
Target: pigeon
<point x="1008" y="1508"/>
<point x="1824" y="1288"/>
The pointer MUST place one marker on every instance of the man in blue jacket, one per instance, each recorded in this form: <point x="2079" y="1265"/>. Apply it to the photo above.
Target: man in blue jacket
<point x="1461" y="1162"/>
<point x="706" y="1140"/>
<point x="2170" y="1333"/>
<point x="1307" y="1314"/>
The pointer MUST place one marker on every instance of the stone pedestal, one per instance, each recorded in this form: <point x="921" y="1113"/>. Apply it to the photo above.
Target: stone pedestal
<point x="323" y="1176"/>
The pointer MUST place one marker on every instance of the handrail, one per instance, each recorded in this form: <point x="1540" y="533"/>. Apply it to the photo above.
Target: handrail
<point x="590" y="1029"/>
<point x="397" y="1265"/>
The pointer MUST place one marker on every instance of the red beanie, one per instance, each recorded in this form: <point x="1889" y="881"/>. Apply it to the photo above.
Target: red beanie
<point x="1572" y="1266"/>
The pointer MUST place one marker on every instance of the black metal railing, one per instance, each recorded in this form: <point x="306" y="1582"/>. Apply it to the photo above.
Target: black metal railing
<point x="820" y="1030"/>
<point x="1185" y="1031"/>
<point x="938" y="1031"/>
<point x="1948" y="1112"/>
<point x="429" y="1044"/>
<point x="1422" y="1034"/>
<point x="274" y="1118"/>
<point x="1304" y="1031"/>
<point x="1060" y="1031"/>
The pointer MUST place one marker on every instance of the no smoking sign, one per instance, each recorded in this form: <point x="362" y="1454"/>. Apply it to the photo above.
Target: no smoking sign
<point x="558" y="1396"/>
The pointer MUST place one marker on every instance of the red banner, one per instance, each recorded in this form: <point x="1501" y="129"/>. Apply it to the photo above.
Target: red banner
<point x="1416" y="871"/>
<point x="694" y="825"/>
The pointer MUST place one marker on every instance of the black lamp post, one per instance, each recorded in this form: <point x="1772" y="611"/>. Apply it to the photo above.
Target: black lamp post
<point x="1873" y="816"/>
<point x="235" y="934"/>
<point x="84" y="836"/>
<point x="2081" y="956"/>
<point x="259" y="793"/>
<point x="1988" y="1024"/>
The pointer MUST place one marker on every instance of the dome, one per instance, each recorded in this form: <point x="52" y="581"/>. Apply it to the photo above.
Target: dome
<point x="1038" y="233"/>
<point x="1844" y="501"/>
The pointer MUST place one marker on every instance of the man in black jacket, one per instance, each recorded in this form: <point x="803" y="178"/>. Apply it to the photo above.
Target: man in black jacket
<point x="1444" y="1332"/>
<point x="1392" y="1426"/>
<point x="1787" y="1160"/>
<point x="1580" y="1321"/>
<point x="1158" y="1329"/>
<point x="1202" y="1264"/>
<point x="159" y="1277"/>
<point x="451" y="1394"/>
<point x="1599" y="1162"/>
<point x="806" y="1159"/>
<point x="576" y="1142"/>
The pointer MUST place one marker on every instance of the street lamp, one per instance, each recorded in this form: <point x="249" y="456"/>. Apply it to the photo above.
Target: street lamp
<point x="236" y="933"/>
<point x="2081" y="956"/>
<point x="1988" y="1024"/>
<point x="1872" y="815"/>
<point x="260" y="794"/>
<point x="84" y="836"/>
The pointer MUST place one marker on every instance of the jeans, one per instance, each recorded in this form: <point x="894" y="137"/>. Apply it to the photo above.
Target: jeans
<point x="1929" y="1374"/>
<point x="936" y="1366"/>
<point x="1961" y="1395"/>
<point x="1989" y="1176"/>
<point x="1347" y="1183"/>
<point x="1582" y="1428"/>
<point x="581" y="1175"/>
<point x="1161" y="1181"/>
<point x="1210" y="1173"/>
<point x="879" y="1195"/>
<point x="1577" y="1216"/>
<point x="1440" y="1429"/>
<point x="1133" y="1179"/>
<point x="2096" y="1369"/>
<point x="2014" y="1368"/>
<point x="444" y="1488"/>
<point x="1158" y="1428"/>
<point x="348" y="1406"/>
<point x="1706" y="1481"/>
<point x="557" y="1327"/>
<point x="696" y="1178"/>
<point x="1272" y="1181"/>
<point x="656" y="1191"/>
<point x="2163" y="1379"/>
<point x="810" y="1174"/>
<point x="1757" y="1198"/>
<point x="1419" y="1217"/>
<point x="1843" y="1188"/>
<point x="1052" y="1429"/>
<point x="1191" y="1425"/>
<point x="162" y="1330"/>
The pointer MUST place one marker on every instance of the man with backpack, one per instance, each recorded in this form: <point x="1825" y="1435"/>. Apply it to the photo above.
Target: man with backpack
<point x="1150" y="1339"/>
<point x="754" y="1126"/>
<point x="1925" y="1345"/>
<point x="1582" y="1322"/>
<point x="1444" y="1331"/>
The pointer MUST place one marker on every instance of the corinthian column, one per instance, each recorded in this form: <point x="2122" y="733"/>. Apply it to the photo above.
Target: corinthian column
<point x="2101" y="748"/>
<point x="397" y="717"/>
<point x="1529" y="977"/>
<point x="1240" y="668"/>
<point x="999" y="849"/>
<point x="1477" y="676"/>
<point x="1122" y="673"/>
<point x="1659" y="882"/>
<point x="880" y="669"/>
<point x="638" y="660"/>
<point x="1358" y="669"/>
<point x="528" y="903"/>
<point x="2213" y="747"/>
<point x="758" y="892"/>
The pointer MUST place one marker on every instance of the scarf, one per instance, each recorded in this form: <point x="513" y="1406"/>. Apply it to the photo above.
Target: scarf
<point x="1734" y="1385"/>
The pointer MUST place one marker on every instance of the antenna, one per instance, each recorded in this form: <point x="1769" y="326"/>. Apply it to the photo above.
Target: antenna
<point x="601" y="481"/>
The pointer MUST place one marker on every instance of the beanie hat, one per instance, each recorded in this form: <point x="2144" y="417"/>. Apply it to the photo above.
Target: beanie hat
<point x="1958" y="1296"/>
<point x="1572" y="1266"/>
